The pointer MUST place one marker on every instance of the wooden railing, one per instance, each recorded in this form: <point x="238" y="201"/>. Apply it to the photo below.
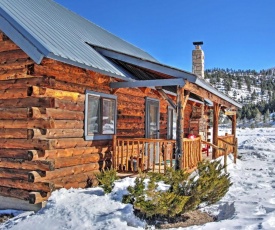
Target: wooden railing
<point x="222" y="144"/>
<point x="133" y="154"/>
<point x="192" y="152"/>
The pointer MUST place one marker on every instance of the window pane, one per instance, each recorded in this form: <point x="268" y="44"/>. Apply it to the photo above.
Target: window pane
<point x="93" y="119"/>
<point x="174" y="126"/>
<point x="108" y="119"/>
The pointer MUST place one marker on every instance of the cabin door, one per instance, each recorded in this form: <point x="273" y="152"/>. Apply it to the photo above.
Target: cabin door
<point x="152" y="131"/>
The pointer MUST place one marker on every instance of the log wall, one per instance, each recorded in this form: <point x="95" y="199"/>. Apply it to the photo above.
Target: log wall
<point x="42" y="144"/>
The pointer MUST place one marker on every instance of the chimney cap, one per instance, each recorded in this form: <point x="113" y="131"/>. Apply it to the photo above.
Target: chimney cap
<point x="198" y="43"/>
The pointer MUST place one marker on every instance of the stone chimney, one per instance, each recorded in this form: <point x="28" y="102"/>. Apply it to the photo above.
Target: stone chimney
<point x="198" y="60"/>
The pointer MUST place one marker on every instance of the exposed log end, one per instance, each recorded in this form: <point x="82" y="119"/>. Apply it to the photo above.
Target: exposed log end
<point x="37" y="197"/>
<point x="36" y="176"/>
<point x="35" y="154"/>
<point x="30" y="134"/>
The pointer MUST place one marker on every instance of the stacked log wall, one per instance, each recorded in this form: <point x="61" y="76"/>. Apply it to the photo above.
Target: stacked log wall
<point x="42" y="144"/>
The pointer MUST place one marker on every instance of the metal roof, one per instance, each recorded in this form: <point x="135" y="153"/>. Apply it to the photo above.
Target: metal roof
<point x="43" y="28"/>
<point x="47" y="29"/>
<point x="129" y="63"/>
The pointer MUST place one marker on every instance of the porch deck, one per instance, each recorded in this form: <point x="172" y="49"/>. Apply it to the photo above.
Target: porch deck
<point x="131" y="155"/>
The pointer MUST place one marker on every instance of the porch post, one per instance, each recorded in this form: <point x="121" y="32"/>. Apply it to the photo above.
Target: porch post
<point x="235" y="141"/>
<point x="216" y="113"/>
<point x="180" y="126"/>
<point x="234" y="125"/>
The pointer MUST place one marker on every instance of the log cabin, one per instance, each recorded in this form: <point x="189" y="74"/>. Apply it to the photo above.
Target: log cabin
<point x="76" y="99"/>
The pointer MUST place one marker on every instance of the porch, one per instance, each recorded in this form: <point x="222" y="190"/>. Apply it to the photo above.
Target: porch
<point x="131" y="155"/>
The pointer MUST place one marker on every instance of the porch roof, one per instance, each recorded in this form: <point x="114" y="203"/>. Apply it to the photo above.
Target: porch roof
<point x="143" y="73"/>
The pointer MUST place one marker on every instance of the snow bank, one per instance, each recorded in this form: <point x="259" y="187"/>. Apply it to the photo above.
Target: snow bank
<point x="249" y="204"/>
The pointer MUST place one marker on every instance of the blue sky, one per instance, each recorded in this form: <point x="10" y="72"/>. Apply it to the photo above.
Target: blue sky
<point x="238" y="34"/>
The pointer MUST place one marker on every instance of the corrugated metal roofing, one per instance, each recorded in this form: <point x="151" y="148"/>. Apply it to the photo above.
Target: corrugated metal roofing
<point x="63" y="35"/>
<point x="43" y="28"/>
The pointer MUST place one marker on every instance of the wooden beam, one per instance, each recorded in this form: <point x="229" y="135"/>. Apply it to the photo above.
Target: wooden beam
<point x="148" y="83"/>
<point x="168" y="99"/>
<point x="193" y="88"/>
<point x="216" y="113"/>
<point x="234" y="125"/>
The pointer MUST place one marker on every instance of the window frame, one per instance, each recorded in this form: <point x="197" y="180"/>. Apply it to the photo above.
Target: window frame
<point x="102" y="96"/>
<point x="148" y="101"/>
<point x="170" y="122"/>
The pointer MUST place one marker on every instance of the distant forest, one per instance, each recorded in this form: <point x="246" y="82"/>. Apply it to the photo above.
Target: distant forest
<point x="264" y="79"/>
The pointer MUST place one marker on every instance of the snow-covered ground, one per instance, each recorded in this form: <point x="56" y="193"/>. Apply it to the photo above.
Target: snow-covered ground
<point x="249" y="204"/>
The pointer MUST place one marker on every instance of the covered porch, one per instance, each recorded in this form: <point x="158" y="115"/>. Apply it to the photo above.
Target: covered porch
<point x="190" y="98"/>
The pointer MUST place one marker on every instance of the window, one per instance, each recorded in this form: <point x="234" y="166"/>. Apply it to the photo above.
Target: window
<point x="171" y="123"/>
<point x="100" y="116"/>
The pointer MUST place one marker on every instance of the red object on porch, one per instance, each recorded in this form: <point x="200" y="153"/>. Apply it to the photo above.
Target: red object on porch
<point x="206" y="149"/>
<point x="191" y="136"/>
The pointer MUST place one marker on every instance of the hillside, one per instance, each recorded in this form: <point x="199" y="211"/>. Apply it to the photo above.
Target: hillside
<point x="255" y="90"/>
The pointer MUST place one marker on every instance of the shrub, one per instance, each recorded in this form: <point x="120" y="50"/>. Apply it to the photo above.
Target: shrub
<point x="106" y="179"/>
<point x="186" y="192"/>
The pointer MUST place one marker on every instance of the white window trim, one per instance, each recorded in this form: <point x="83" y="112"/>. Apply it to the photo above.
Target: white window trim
<point x="87" y="136"/>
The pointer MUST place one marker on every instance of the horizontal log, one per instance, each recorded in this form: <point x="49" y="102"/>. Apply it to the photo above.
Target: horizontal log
<point x="12" y="55"/>
<point x="66" y="124"/>
<point x="69" y="105"/>
<point x="24" y="144"/>
<point x="73" y="87"/>
<point x="13" y="133"/>
<point x="76" y="160"/>
<point x="7" y="46"/>
<point x="131" y="132"/>
<point x="14" y="93"/>
<point x="126" y="125"/>
<point x="14" y="74"/>
<point x="41" y="124"/>
<point x="54" y="133"/>
<point x="25" y="82"/>
<point x="36" y="197"/>
<point x="130" y="106"/>
<point x="14" y="192"/>
<point x="56" y="114"/>
<point x="45" y="165"/>
<point x="14" y="153"/>
<point x="34" y="176"/>
<point x="21" y="184"/>
<point x="132" y="112"/>
<point x="124" y="98"/>
<point x="71" y="143"/>
<point x="60" y="94"/>
<point x="14" y="173"/>
<point x="130" y="119"/>
<point x="18" y="64"/>
<point x="69" y="152"/>
<point x="14" y="113"/>
<point x="76" y="181"/>
<point x="27" y="102"/>
<point x="42" y="102"/>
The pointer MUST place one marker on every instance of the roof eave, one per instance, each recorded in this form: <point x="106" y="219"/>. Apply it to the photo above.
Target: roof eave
<point x="161" y="68"/>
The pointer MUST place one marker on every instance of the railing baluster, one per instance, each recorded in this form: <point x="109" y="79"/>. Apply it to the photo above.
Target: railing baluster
<point x="143" y="152"/>
<point x="148" y="155"/>
<point x="127" y="155"/>
<point x="122" y="156"/>
<point x="118" y="154"/>
<point x="160" y="154"/>
<point x="154" y="156"/>
<point x="165" y="155"/>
